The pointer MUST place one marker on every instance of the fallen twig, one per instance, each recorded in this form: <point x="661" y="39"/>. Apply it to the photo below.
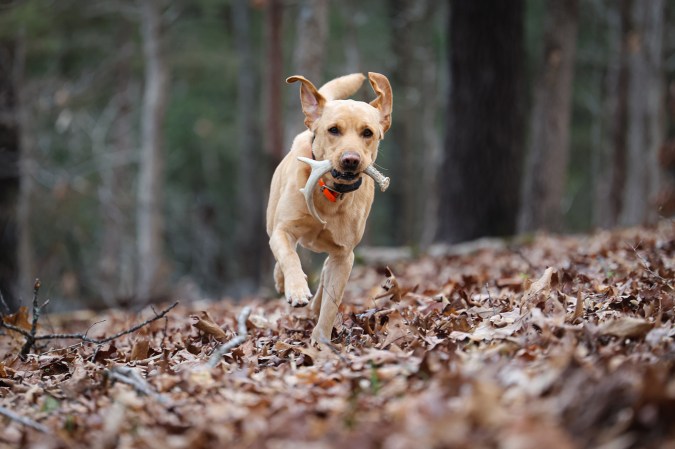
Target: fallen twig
<point x="84" y="337"/>
<point x="31" y="338"/>
<point x="242" y="333"/>
<point x="37" y="310"/>
<point x="132" y="377"/>
<point x="23" y="420"/>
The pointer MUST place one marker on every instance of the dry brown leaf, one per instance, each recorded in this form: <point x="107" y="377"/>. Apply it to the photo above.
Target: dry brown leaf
<point x="539" y="287"/>
<point x="206" y="324"/>
<point x="396" y="329"/>
<point x="140" y="349"/>
<point x="626" y="327"/>
<point x="391" y="287"/>
<point x="19" y="319"/>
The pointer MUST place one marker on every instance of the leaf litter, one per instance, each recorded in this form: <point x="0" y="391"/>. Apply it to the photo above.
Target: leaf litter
<point x="559" y="342"/>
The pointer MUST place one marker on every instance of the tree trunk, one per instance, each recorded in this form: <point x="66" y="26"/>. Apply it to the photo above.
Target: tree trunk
<point x="311" y="34"/>
<point x="610" y="158"/>
<point x="348" y="11"/>
<point x="274" y="138"/>
<point x="115" y="197"/>
<point x="150" y="225"/>
<point x="414" y="137"/>
<point x="308" y="57"/>
<point x="484" y="142"/>
<point x="9" y="178"/>
<point x="546" y="173"/>
<point x="251" y="172"/>
<point x="645" y="96"/>
<point x="27" y="165"/>
<point x="627" y="173"/>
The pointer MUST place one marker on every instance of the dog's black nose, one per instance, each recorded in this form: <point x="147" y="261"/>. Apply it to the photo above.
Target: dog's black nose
<point x="350" y="161"/>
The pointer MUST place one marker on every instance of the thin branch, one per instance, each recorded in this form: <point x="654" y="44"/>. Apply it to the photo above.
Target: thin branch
<point x="37" y="310"/>
<point x="24" y="421"/>
<point x="32" y="338"/>
<point x="84" y="337"/>
<point x="242" y="333"/>
<point x="132" y="377"/>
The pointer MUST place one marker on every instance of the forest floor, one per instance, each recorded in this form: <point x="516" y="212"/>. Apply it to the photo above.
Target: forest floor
<point x="556" y="342"/>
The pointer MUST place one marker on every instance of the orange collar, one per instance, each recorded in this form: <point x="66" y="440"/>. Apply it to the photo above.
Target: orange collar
<point x="328" y="193"/>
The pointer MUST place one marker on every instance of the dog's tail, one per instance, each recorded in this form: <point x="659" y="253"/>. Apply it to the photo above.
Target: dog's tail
<point x="342" y="87"/>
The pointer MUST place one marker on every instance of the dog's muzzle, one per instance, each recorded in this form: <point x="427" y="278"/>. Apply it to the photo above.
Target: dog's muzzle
<point x="320" y="168"/>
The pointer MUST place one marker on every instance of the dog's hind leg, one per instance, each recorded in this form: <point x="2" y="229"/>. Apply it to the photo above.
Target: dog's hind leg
<point x="278" y="279"/>
<point x="337" y="269"/>
<point x="315" y="303"/>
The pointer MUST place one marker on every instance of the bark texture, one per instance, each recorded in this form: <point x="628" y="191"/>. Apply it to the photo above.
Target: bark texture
<point x="250" y="174"/>
<point x="150" y="224"/>
<point x="546" y="173"/>
<point x="480" y="179"/>
<point x="628" y="176"/>
<point x="9" y="178"/>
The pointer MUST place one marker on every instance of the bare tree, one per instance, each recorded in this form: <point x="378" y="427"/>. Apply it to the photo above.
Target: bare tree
<point x="480" y="181"/>
<point x="150" y="224"/>
<point x="308" y="56"/>
<point x="274" y="136"/>
<point x="310" y="38"/>
<point x="546" y="172"/>
<point x="9" y="176"/>
<point x="646" y="107"/>
<point x="626" y="165"/>
<point x="415" y="138"/>
<point x="27" y="167"/>
<point x="115" y="196"/>
<point x="249" y="212"/>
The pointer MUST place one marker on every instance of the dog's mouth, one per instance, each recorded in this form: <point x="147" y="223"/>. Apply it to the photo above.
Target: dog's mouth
<point x="344" y="176"/>
<point x="320" y="168"/>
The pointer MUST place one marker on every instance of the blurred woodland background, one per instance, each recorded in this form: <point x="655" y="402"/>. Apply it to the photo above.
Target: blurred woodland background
<point x="138" y="138"/>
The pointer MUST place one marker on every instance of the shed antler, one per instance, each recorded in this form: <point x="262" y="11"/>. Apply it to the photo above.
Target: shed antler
<point x="320" y="168"/>
<point x="379" y="178"/>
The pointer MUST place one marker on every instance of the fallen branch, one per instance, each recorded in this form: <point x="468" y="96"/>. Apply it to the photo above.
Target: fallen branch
<point x="132" y="377"/>
<point x="242" y="333"/>
<point x="31" y="338"/>
<point x="23" y="420"/>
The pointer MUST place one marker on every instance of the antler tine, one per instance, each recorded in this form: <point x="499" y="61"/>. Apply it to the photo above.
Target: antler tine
<point x="379" y="178"/>
<point x="319" y="168"/>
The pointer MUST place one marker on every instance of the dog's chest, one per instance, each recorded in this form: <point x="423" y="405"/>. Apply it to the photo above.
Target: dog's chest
<point x="323" y="240"/>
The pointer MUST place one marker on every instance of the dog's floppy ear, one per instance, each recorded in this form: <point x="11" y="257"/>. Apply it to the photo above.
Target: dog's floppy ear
<point x="312" y="101"/>
<point x="384" y="100"/>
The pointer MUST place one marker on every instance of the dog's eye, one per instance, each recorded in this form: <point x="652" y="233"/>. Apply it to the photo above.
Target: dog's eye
<point x="367" y="133"/>
<point x="334" y="130"/>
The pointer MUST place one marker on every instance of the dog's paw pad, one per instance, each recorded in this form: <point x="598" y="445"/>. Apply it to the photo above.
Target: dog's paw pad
<point x="298" y="299"/>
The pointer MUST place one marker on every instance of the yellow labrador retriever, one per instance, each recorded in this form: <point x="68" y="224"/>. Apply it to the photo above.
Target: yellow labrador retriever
<point x="319" y="197"/>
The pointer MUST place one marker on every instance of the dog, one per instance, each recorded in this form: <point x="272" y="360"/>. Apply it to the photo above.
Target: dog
<point x="322" y="177"/>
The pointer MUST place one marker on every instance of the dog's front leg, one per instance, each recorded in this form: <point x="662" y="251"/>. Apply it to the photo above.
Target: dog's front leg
<point x="335" y="275"/>
<point x="295" y="281"/>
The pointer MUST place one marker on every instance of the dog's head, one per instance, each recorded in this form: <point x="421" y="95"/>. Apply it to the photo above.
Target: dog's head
<point x="346" y="132"/>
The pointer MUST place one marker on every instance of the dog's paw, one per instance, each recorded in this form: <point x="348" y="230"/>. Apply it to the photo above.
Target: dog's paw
<point x="298" y="297"/>
<point x="321" y="339"/>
